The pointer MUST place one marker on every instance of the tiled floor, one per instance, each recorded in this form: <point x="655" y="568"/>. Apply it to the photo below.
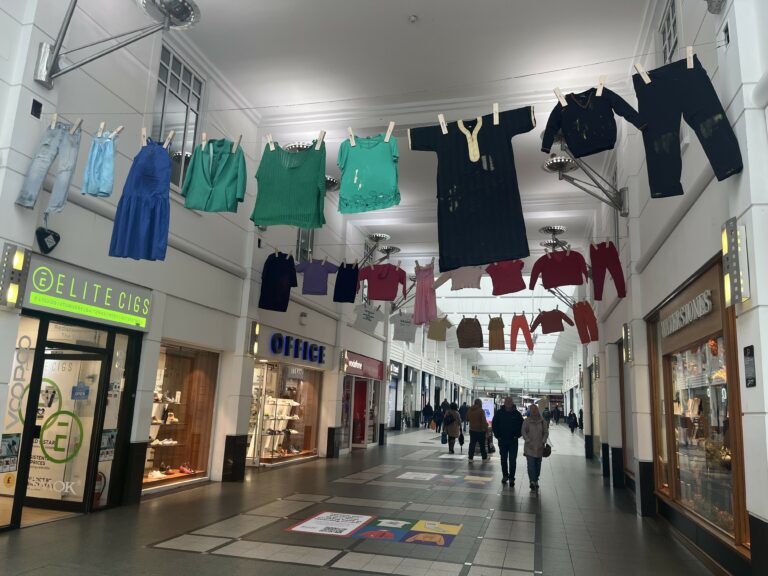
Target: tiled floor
<point x="575" y="526"/>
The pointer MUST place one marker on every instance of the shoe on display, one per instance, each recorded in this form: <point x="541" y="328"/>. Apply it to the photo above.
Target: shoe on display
<point x="294" y="450"/>
<point x="171" y="418"/>
<point x="156" y="474"/>
<point x="156" y="442"/>
<point x="185" y="469"/>
<point x="168" y="399"/>
<point x="156" y="420"/>
<point x="169" y="471"/>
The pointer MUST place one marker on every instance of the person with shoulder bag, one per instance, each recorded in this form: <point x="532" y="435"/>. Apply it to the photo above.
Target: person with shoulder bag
<point x="478" y="426"/>
<point x="507" y="426"/>
<point x="452" y="426"/>
<point x="535" y="432"/>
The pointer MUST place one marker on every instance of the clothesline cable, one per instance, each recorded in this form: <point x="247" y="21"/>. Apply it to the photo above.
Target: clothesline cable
<point x="717" y="44"/>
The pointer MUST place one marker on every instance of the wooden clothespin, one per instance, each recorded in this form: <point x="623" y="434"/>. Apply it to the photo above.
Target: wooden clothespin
<point x="101" y="129"/>
<point x="417" y="264"/>
<point x="270" y="142"/>
<point x="143" y="135"/>
<point x="389" y="131"/>
<point x="689" y="57"/>
<point x="277" y="252"/>
<point x="443" y="125"/>
<point x="356" y="261"/>
<point x="433" y="259"/>
<point x="320" y="138"/>
<point x="398" y="263"/>
<point x="560" y="97"/>
<point x="351" y="137"/>
<point x="600" y="86"/>
<point x="115" y="132"/>
<point x="54" y="119"/>
<point x="643" y="74"/>
<point x="168" y="139"/>
<point x="495" y="113"/>
<point x="204" y="140"/>
<point x="325" y="260"/>
<point x="290" y="254"/>
<point x="343" y="262"/>
<point x="76" y="125"/>
<point x="236" y="143"/>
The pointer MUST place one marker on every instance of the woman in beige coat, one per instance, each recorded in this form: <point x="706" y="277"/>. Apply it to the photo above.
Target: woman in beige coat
<point x="535" y="434"/>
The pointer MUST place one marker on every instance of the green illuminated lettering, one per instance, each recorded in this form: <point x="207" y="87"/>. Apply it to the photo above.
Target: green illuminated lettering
<point x="96" y="288"/>
<point x="108" y="297"/>
<point x="121" y="301"/>
<point x="86" y="310"/>
<point x="59" y="283"/>
<point x="72" y="288"/>
<point x="145" y="310"/>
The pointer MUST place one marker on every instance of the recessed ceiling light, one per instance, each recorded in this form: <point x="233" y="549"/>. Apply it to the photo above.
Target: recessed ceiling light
<point x="413" y="18"/>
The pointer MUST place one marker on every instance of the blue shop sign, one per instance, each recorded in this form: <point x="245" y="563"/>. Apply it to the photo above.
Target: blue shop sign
<point x="80" y="391"/>
<point x="298" y="348"/>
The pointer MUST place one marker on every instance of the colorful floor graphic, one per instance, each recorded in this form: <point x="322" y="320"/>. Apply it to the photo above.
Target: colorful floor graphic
<point x="425" y="532"/>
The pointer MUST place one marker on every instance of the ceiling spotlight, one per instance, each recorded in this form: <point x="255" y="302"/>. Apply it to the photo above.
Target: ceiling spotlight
<point x="553" y="230"/>
<point x="378" y="237"/>
<point x="388" y="249"/>
<point x="180" y="13"/>
<point x="559" y="164"/>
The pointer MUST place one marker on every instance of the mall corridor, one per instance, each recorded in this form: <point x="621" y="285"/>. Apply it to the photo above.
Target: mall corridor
<point x="575" y="525"/>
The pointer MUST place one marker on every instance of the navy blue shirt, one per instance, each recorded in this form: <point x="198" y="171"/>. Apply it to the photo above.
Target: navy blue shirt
<point x="587" y="122"/>
<point x="346" y="283"/>
<point x="277" y="279"/>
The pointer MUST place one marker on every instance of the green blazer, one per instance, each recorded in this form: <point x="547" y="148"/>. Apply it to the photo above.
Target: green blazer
<point x="215" y="180"/>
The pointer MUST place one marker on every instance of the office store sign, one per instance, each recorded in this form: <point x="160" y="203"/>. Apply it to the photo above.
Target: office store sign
<point x="284" y="347"/>
<point x="67" y="290"/>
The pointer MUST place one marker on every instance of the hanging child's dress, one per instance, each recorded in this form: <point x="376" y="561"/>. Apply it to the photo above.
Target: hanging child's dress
<point x="143" y="213"/>
<point x="425" y="306"/>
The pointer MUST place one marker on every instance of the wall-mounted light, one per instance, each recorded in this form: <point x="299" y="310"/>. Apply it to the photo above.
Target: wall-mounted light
<point x="735" y="263"/>
<point x="253" y="341"/>
<point x="14" y="268"/>
<point x="596" y="366"/>
<point x="626" y="343"/>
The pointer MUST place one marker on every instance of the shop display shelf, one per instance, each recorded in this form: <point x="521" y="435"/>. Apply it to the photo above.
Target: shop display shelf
<point x="175" y="476"/>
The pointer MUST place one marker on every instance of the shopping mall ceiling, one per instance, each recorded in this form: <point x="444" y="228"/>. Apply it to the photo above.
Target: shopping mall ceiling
<point x="306" y="65"/>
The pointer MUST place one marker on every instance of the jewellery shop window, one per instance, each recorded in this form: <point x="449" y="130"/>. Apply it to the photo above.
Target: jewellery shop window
<point x="182" y="415"/>
<point x="287" y="399"/>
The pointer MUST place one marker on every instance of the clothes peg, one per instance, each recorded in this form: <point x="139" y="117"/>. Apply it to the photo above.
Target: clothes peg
<point x="378" y="307"/>
<point x="101" y="129"/>
<point x="560" y="97"/>
<point x="495" y="113"/>
<point x="600" y="86"/>
<point x="643" y="74"/>
<point x="325" y="260"/>
<point x="270" y="142"/>
<point x="76" y="125"/>
<point x="689" y="57"/>
<point x="443" y="125"/>
<point x="204" y="140"/>
<point x="290" y="255"/>
<point x="389" y="131"/>
<point x="54" y="119"/>
<point x="277" y="252"/>
<point x="398" y="263"/>
<point x="343" y="262"/>
<point x="417" y="264"/>
<point x="236" y="143"/>
<point x="143" y="135"/>
<point x="356" y="261"/>
<point x="320" y="138"/>
<point x="433" y="259"/>
<point x="115" y="132"/>
<point x="351" y="137"/>
<point x="168" y="139"/>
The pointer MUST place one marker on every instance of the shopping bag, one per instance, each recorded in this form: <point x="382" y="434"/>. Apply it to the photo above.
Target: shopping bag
<point x="444" y="438"/>
<point x="432" y="425"/>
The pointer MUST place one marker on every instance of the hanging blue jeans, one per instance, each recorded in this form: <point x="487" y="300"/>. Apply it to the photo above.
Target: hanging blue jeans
<point x="99" y="174"/>
<point x="56" y="142"/>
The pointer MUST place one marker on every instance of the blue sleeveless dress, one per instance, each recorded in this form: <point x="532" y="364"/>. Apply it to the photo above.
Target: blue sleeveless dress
<point x="143" y="213"/>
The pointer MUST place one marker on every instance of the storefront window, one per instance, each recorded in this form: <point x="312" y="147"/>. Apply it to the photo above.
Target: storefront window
<point x="289" y="401"/>
<point x="346" y="413"/>
<point x="702" y="439"/>
<point x="661" y="412"/>
<point x="182" y="416"/>
<point x="373" y="412"/>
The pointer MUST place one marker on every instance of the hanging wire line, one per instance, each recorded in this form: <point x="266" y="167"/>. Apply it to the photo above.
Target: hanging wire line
<point x="716" y="44"/>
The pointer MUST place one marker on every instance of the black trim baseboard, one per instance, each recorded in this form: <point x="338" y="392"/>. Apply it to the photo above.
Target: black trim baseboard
<point x="617" y="466"/>
<point x="137" y="458"/>
<point x="589" y="447"/>
<point x="605" y="452"/>
<point x="333" y="443"/>
<point x="646" y="488"/>
<point x="718" y="551"/>
<point x="758" y="534"/>
<point x="235" y="451"/>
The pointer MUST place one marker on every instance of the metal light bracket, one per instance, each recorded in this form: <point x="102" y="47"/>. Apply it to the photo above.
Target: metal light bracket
<point x="598" y="187"/>
<point x="169" y="13"/>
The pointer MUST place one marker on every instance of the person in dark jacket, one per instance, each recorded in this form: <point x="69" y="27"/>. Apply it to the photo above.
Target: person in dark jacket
<point x="547" y="414"/>
<point x="439" y="414"/>
<point x="507" y="426"/>
<point x="426" y="414"/>
<point x="463" y="412"/>
<point x="556" y="414"/>
<point x="572" y="421"/>
<point x="478" y="426"/>
<point x="581" y="418"/>
<point x="452" y="425"/>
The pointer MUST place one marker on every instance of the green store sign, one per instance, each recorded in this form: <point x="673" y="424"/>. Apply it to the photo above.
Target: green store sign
<point x="60" y="288"/>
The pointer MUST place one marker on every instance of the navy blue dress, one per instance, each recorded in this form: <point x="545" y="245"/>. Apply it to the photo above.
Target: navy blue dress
<point x="141" y="223"/>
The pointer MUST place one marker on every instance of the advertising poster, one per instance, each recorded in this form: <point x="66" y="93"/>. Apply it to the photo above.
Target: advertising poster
<point x="385" y="529"/>
<point x="107" y="448"/>
<point x="9" y="452"/>
<point x="425" y="476"/>
<point x="332" y="524"/>
<point x="489" y="407"/>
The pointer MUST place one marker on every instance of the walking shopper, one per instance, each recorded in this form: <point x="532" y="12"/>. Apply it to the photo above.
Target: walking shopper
<point x="426" y="414"/>
<point x="507" y="427"/>
<point x="463" y="411"/>
<point x="535" y="433"/>
<point x="452" y="425"/>
<point x="547" y="414"/>
<point x="572" y="421"/>
<point x="439" y="413"/>
<point x="478" y="426"/>
<point x="581" y="418"/>
<point x="556" y="415"/>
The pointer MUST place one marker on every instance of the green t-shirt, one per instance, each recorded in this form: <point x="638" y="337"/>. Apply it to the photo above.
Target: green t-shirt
<point x="215" y="179"/>
<point x="291" y="188"/>
<point x="368" y="174"/>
